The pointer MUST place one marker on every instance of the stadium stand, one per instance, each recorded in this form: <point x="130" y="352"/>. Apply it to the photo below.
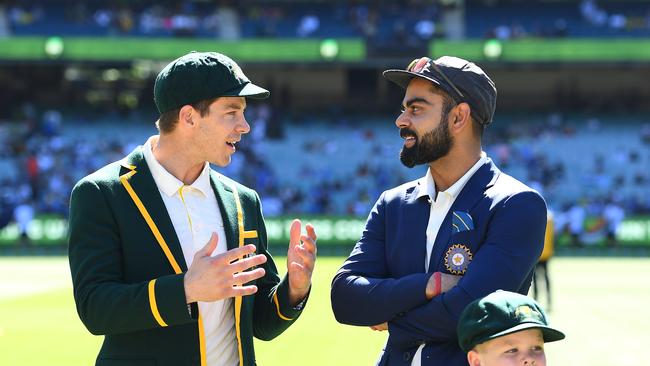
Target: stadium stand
<point x="341" y="19"/>
<point x="336" y="169"/>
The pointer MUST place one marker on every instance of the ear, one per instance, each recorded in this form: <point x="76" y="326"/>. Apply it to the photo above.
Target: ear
<point x="473" y="358"/>
<point x="460" y="118"/>
<point x="186" y="115"/>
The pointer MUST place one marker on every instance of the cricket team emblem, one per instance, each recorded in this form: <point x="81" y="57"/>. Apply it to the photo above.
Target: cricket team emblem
<point x="457" y="259"/>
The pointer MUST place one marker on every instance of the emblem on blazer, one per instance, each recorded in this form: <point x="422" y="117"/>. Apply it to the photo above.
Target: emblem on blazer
<point x="457" y="259"/>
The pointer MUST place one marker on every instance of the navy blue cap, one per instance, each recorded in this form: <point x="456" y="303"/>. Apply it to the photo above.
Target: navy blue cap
<point x="463" y="80"/>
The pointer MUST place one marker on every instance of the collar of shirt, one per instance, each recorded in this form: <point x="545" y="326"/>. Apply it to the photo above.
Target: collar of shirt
<point x="429" y="187"/>
<point x="165" y="181"/>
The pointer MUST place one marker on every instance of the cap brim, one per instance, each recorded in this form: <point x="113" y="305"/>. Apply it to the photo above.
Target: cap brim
<point x="403" y="77"/>
<point x="550" y="334"/>
<point x="249" y="90"/>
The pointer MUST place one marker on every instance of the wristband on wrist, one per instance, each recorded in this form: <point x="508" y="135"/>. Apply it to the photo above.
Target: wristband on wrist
<point x="437" y="283"/>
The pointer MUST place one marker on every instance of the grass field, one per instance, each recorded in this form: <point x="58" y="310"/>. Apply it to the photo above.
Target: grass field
<point x="600" y="303"/>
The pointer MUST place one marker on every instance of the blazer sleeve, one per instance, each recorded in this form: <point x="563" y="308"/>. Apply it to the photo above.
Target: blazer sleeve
<point x="273" y="313"/>
<point x="362" y="292"/>
<point x="105" y="303"/>
<point x="513" y="243"/>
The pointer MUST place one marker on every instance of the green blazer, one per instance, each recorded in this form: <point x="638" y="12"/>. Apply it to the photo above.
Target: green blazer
<point x="127" y="269"/>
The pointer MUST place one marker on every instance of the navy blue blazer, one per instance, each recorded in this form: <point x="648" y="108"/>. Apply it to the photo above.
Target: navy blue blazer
<point x="492" y="236"/>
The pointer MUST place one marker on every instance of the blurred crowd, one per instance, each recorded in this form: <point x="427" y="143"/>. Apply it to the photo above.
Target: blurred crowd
<point x="409" y="22"/>
<point x="227" y="20"/>
<point x="39" y="165"/>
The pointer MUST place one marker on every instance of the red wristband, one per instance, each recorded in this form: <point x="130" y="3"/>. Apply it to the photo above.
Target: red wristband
<point x="437" y="283"/>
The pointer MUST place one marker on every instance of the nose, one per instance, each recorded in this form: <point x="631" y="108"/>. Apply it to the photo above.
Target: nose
<point x="402" y="120"/>
<point x="243" y="127"/>
<point x="530" y="361"/>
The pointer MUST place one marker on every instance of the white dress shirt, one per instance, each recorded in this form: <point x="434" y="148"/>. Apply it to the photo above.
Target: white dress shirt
<point x="195" y="214"/>
<point x="440" y="205"/>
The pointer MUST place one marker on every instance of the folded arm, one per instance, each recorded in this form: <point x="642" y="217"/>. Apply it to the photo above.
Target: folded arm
<point x="361" y="294"/>
<point x="512" y="246"/>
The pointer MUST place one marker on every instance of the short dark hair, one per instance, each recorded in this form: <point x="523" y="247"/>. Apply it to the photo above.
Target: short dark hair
<point x="167" y="121"/>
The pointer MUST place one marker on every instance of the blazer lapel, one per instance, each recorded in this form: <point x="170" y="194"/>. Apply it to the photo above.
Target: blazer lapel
<point x="417" y="215"/>
<point x="468" y="197"/>
<point x="146" y="190"/>
<point x="228" y="209"/>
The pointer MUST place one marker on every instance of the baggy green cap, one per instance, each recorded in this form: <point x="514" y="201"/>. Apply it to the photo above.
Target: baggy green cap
<point x="501" y="313"/>
<point x="201" y="75"/>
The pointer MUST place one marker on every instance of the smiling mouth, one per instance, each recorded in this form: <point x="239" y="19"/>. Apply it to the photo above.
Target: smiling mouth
<point x="232" y="144"/>
<point x="409" y="141"/>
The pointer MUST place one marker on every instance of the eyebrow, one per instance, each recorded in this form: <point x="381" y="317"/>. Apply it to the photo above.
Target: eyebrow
<point x="234" y="106"/>
<point x="412" y="101"/>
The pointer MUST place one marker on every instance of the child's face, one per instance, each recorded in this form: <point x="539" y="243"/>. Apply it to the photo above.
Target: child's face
<point x="520" y="348"/>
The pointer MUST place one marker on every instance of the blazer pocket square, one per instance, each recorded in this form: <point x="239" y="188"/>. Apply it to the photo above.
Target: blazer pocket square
<point x="461" y="221"/>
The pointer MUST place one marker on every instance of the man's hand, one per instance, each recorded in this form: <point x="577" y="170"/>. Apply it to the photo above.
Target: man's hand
<point x="301" y="258"/>
<point x="380" y="327"/>
<point x="216" y="278"/>
<point x="447" y="281"/>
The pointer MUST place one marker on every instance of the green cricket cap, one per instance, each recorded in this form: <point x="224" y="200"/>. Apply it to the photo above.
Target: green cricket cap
<point x="501" y="313"/>
<point x="198" y="76"/>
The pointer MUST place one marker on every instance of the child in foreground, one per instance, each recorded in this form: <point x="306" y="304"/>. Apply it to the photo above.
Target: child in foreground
<point x="505" y="328"/>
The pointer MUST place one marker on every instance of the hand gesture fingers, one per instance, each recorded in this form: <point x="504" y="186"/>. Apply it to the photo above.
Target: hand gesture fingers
<point x="245" y="277"/>
<point x="236" y="253"/>
<point x="294" y="232"/>
<point x="246" y="263"/>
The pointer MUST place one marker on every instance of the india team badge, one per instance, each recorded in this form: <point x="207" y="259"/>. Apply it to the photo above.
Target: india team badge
<point x="457" y="259"/>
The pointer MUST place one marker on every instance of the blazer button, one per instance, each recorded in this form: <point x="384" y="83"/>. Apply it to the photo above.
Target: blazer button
<point x="407" y="356"/>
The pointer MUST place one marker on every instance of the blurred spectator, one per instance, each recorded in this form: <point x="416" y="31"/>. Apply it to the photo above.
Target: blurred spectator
<point x="103" y="18"/>
<point x="541" y="273"/>
<point x="576" y="222"/>
<point x="124" y="19"/>
<point x="24" y="214"/>
<point x="5" y="30"/>
<point x="20" y="15"/>
<point x="613" y="214"/>
<point x="225" y="20"/>
<point x="183" y="22"/>
<point x="592" y="13"/>
<point x="308" y="25"/>
<point x="425" y="28"/>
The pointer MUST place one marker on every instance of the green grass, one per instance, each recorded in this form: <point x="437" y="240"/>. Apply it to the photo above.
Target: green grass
<point x="600" y="303"/>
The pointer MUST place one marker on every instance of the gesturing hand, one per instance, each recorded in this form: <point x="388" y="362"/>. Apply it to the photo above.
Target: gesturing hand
<point x="216" y="278"/>
<point x="301" y="258"/>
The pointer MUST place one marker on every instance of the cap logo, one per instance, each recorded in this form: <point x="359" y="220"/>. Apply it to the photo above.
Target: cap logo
<point x="419" y="65"/>
<point x="457" y="258"/>
<point x="526" y="312"/>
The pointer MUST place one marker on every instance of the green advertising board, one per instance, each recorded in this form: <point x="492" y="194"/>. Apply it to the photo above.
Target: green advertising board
<point x="130" y="48"/>
<point x="52" y="230"/>
<point x="349" y="50"/>
<point x="331" y="230"/>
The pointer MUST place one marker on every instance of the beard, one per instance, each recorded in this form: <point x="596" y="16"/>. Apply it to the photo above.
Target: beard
<point x="434" y="145"/>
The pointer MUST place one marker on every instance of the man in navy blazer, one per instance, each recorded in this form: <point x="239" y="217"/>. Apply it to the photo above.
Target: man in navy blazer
<point x="433" y="245"/>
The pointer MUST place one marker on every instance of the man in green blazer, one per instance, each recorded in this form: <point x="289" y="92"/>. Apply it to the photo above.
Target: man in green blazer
<point x="169" y="258"/>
